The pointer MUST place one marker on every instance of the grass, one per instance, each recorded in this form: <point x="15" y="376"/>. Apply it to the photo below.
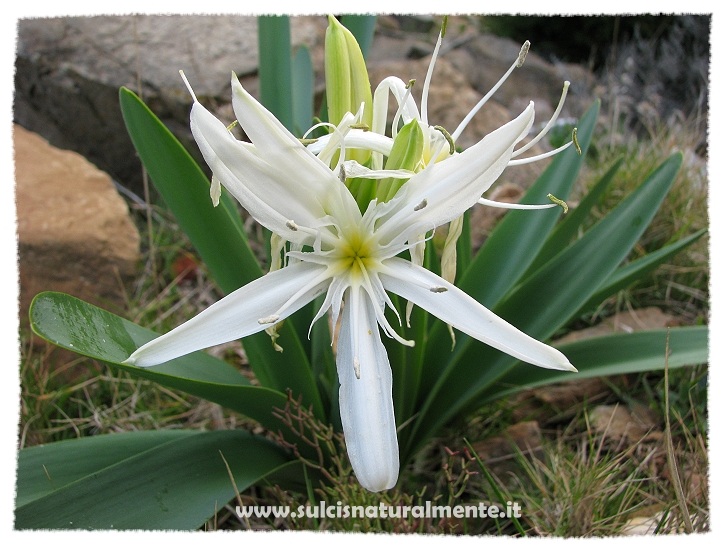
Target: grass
<point x="575" y="482"/>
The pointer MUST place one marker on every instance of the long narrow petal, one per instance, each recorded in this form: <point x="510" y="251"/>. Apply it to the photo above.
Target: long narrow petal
<point x="444" y="190"/>
<point x="367" y="412"/>
<point x="271" y="200"/>
<point x="312" y="179"/>
<point x="456" y="308"/>
<point x="405" y="102"/>
<point x="238" y="314"/>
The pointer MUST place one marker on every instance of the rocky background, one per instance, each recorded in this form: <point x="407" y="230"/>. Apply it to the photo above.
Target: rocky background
<point x="76" y="170"/>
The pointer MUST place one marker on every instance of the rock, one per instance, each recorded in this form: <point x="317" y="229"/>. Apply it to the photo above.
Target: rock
<point x="74" y="230"/>
<point x="486" y="57"/>
<point x="626" y="426"/>
<point x="69" y="70"/>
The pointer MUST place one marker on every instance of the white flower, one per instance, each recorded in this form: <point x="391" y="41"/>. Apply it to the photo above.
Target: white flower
<point x="351" y="258"/>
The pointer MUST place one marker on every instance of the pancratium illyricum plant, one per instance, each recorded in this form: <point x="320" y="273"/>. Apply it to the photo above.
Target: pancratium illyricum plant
<point x="344" y="217"/>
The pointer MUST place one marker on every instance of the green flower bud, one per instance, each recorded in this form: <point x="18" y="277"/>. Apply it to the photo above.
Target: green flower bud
<point x="347" y="80"/>
<point x="406" y="154"/>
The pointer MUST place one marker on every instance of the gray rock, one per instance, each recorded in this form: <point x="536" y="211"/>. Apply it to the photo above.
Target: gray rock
<point x="69" y="70"/>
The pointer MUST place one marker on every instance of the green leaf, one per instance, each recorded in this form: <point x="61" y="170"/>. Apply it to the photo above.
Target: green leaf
<point x="166" y="480"/>
<point x="274" y="66"/>
<point x="560" y="288"/>
<point x="216" y="233"/>
<point x="517" y="239"/>
<point x="219" y="240"/>
<point x="91" y="331"/>
<point x="616" y="354"/>
<point x="509" y="250"/>
<point x="503" y="259"/>
<point x="569" y="227"/>
<point x="545" y="300"/>
<point x="302" y="93"/>
<point x="623" y="276"/>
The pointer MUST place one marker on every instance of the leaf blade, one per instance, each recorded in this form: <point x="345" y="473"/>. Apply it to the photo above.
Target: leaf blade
<point x="176" y="485"/>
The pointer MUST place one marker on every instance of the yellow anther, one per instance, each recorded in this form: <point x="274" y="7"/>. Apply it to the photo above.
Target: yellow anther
<point x="559" y="202"/>
<point x="422" y="204"/>
<point x="448" y="137"/>
<point x="575" y="142"/>
<point x="522" y="53"/>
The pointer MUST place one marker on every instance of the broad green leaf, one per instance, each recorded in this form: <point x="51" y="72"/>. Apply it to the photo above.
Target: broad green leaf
<point x="274" y="66"/>
<point x="91" y="331"/>
<point x="555" y="293"/>
<point x="504" y="258"/>
<point x="569" y="279"/>
<point x="46" y="468"/>
<point x="216" y="233"/>
<point x="616" y="354"/>
<point x="512" y="246"/>
<point x="163" y="481"/>
<point x="219" y="240"/>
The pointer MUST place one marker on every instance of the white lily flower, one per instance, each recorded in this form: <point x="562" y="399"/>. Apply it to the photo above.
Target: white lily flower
<point x="351" y="258"/>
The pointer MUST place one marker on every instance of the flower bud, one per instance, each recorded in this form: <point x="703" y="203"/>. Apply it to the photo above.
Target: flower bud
<point x="347" y="80"/>
<point x="406" y="154"/>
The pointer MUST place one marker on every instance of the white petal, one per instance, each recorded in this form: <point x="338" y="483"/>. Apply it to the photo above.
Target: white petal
<point x="456" y="308"/>
<point x="398" y="89"/>
<point x="446" y="189"/>
<point x="270" y="199"/>
<point x="238" y="314"/>
<point x="313" y="180"/>
<point x="367" y="412"/>
<point x="352" y="169"/>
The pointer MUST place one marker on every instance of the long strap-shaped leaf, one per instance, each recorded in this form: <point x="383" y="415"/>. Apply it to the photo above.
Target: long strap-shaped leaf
<point x="274" y="66"/>
<point x="503" y="259"/>
<point x="517" y="239"/>
<point x="165" y="480"/>
<point x="616" y="354"/>
<point x="91" y="331"/>
<point x="569" y="227"/>
<point x="219" y="240"/>
<point x="637" y="269"/>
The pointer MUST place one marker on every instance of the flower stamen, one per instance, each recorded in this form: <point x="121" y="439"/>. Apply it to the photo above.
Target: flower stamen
<point x="268" y="320"/>
<point x="493" y="90"/>
<point x="548" y="125"/>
